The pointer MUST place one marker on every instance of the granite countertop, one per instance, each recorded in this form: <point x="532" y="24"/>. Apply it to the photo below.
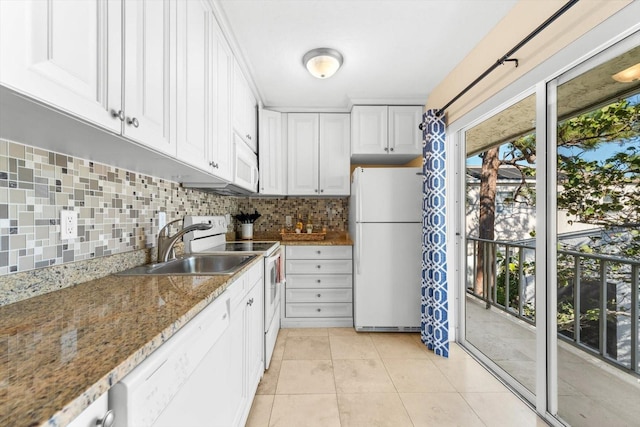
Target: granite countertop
<point x="62" y="350"/>
<point x="333" y="238"/>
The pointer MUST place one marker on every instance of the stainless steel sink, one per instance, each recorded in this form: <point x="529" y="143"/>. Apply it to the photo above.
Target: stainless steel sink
<point x="195" y="265"/>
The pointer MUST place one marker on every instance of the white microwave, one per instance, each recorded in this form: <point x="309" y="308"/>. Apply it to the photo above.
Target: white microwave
<point x="245" y="173"/>
<point x="245" y="165"/>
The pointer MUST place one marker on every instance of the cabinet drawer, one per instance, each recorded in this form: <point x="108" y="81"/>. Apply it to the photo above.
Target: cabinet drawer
<point x="329" y="309"/>
<point x="319" y="252"/>
<point x="305" y="281"/>
<point x="307" y="266"/>
<point x="319" y="295"/>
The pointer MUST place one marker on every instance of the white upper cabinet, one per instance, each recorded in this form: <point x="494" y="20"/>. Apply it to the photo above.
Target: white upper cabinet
<point x="244" y="109"/>
<point x="221" y="148"/>
<point x="318" y="154"/>
<point x="149" y="75"/>
<point x="334" y="155"/>
<point x="66" y="54"/>
<point x="194" y="102"/>
<point x="385" y="134"/>
<point x="303" y="155"/>
<point x="404" y="135"/>
<point x="273" y="160"/>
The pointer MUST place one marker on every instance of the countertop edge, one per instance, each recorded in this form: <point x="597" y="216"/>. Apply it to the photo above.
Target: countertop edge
<point x="74" y="408"/>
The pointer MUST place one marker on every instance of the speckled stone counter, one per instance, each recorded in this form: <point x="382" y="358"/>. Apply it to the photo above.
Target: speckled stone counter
<point x="62" y="350"/>
<point x="333" y="238"/>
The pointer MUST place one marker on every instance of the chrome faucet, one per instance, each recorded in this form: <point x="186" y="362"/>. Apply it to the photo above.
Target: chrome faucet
<point x="166" y="242"/>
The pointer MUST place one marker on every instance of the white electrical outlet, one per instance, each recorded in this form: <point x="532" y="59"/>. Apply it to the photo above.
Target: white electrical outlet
<point x="68" y="224"/>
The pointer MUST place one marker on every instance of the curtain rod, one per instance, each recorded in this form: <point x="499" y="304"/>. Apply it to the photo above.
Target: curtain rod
<point x="506" y="57"/>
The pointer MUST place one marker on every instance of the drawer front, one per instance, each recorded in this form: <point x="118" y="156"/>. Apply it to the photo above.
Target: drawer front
<point x="305" y="281"/>
<point x="319" y="295"/>
<point x="328" y="266"/>
<point x="319" y="252"/>
<point x="329" y="309"/>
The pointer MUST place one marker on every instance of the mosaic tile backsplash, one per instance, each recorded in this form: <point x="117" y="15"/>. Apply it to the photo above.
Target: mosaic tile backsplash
<point x="117" y="217"/>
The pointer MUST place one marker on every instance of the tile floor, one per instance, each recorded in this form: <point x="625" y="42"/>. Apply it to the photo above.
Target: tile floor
<point x="338" y="377"/>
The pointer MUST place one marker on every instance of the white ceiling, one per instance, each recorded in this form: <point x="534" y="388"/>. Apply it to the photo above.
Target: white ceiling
<point x="395" y="51"/>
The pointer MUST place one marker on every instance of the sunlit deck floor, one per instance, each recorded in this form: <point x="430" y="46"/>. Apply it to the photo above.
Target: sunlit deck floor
<point x="590" y="391"/>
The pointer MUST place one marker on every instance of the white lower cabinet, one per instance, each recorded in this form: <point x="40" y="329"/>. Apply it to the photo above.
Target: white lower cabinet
<point x="94" y="415"/>
<point x="319" y="286"/>
<point x="207" y="373"/>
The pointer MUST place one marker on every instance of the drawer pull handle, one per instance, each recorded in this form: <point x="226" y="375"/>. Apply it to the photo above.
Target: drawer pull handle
<point x="318" y="266"/>
<point x="319" y="252"/>
<point x="250" y="302"/>
<point x="319" y="281"/>
<point x="319" y="295"/>
<point x="319" y="310"/>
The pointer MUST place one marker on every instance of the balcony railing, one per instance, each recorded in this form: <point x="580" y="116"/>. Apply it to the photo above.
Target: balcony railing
<point x="503" y="275"/>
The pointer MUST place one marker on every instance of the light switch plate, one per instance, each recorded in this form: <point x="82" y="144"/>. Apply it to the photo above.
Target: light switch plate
<point x="68" y="224"/>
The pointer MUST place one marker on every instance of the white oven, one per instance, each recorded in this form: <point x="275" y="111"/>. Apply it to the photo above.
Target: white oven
<point x="213" y="241"/>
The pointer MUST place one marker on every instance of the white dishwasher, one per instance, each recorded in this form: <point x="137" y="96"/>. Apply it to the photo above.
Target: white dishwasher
<point x="164" y="390"/>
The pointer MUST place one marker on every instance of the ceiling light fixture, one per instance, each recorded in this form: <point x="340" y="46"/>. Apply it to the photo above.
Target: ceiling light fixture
<point x="629" y="75"/>
<point x="322" y="62"/>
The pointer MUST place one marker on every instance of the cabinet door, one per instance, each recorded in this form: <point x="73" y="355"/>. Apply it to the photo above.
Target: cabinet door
<point x="251" y="113"/>
<point x="237" y="398"/>
<point x="65" y="53"/>
<point x="404" y="135"/>
<point x="369" y="129"/>
<point x="272" y="154"/>
<point x="222" y="147"/>
<point x="302" y="176"/>
<point x="335" y="159"/>
<point x="149" y="77"/>
<point x="194" y="82"/>
<point x="244" y="109"/>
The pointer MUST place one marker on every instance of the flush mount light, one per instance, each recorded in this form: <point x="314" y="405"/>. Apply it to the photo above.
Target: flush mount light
<point x="629" y="75"/>
<point x="322" y="62"/>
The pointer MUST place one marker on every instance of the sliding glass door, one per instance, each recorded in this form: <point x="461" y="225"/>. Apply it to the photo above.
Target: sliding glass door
<point x="552" y="241"/>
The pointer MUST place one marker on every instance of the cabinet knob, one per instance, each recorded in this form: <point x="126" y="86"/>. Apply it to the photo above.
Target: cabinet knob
<point x="213" y="164"/>
<point x="118" y="114"/>
<point x="322" y="191"/>
<point x="133" y="121"/>
<point x="318" y="252"/>
<point x="107" y="420"/>
<point x="319" y="281"/>
<point x="318" y="266"/>
<point x="319" y="310"/>
<point x="319" y="295"/>
<point x="316" y="190"/>
<point x="386" y="149"/>
<point x="391" y="149"/>
<point x="250" y="302"/>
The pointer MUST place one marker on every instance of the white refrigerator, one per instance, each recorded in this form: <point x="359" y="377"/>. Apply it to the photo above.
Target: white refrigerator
<point x="385" y="214"/>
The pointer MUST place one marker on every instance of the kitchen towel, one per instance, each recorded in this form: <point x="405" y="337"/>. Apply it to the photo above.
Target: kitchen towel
<point x="435" y="310"/>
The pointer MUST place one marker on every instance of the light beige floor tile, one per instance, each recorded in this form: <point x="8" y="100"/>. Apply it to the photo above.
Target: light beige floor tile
<point x="307" y="410"/>
<point x="306" y="377"/>
<point x="361" y="376"/>
<point x="309" y="348"/>
<point x="307" y="332"/>
<point x="260" y="411"/>
<point x="269" y="380"/>
<point x="439" y="409"/>
<point x="467" y="375"/>
<point x="402" y="346"/>
<point x="456" y="352"/>
<point x="372" y="409"/>
<point x="278" y="349"/>
<point x="417" y="376"/>
<point x="352" y="347"/>
<point x="346" y="332"/>
<point x="502" y="409"/>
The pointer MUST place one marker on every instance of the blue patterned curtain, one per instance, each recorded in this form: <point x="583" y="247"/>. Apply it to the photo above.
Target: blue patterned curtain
<point x="435" y="312"/>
